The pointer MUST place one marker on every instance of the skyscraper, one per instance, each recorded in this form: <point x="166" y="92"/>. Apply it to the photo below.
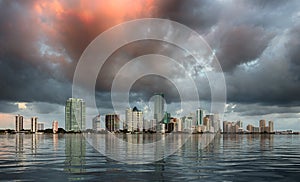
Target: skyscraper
<point x="34" y="124"/>
<point x="75" y="115"/>
<point x="19" y="123"/>
<point x="55" y="126"/>
<point x="159" y="107"/>
<point x="112" y="122"/>
<point x="96" y="123"/>
<point x="262" y="125"/>
<point x="271" y="126"/>
<point x="134" y="120"/>
<point x="199" y="116"/>
<point x="128" y="120"/>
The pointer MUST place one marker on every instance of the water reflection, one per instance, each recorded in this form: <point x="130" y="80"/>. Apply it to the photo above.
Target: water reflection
<point x="244" y="157"/>
<point x="75" y="151"/>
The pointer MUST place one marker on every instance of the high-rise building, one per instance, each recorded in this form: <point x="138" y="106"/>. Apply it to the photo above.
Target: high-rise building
<point x="34" y="121"/>
<point x="159" y="107"/>
<point x="97" y="123"/>
<point x="112" y="122"/>
<point x="138" y="119"/>
<point x="262" y="125"/>
<point x="134" y="120"/>
<point x="199" y="117"/>
<point x="75" y="115"/>
<point x="40" y="126"/>
<point x="55" y="126"/>
<point x="207" y="123"/>
<point x="250" y="128"/>
<point x="271" y="126"/>
<point x="128" y="124"/>
<point x="19" y="123"/>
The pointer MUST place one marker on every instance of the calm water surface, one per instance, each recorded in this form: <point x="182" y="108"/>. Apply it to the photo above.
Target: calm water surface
<point x="228" y="158"/>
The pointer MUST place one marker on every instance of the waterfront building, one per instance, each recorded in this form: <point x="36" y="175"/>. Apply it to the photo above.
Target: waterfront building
<point x="75" y="115"/>
<point x="34" y="121"/>
<point x="96" y="122"/>
<point x="19" y="123"/>
<point x="206" y="122"/>
<point x="159" y="111"/>
<point x="134" y="120"/>
<point x="271" y="126"/>
<point x="40" y="126"/>
<point x="128" y="120"/>
<point x="262" y="125"/>
<point x="256" y="129"/>
<point x="199" y="116"/>
<point x="55" y="126"/>
<point x="249" y="128"/>
<point x="112" y="122"/>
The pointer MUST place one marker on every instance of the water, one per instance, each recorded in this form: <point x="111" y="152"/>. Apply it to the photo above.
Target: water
<point x="227" y="158"/>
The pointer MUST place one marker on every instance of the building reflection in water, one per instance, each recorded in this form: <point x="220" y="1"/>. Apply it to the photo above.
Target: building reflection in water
<point x="19" y="139"/>
<point x="55" y="141"/>
<point x="266" y="142"/>
<point x="145" y="148"/>
<point x="75" y="151"/>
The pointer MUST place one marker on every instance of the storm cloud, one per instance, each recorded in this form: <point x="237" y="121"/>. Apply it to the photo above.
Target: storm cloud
<point x="256" y="42"/>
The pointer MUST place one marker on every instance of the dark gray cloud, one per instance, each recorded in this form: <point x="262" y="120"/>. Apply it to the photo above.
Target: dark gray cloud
<point x="257" y="43"/>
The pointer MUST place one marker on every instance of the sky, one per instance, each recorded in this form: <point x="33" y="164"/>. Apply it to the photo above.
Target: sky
<point x="256" y="42"/>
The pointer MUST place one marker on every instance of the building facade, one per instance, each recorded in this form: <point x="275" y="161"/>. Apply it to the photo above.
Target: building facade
<point x="75" y="115"/>
<point x="55" y="126"/>
<point x="96" y="123"/>
<point x="112" y="122"/>
<point x="34" y="121"/>
<point x="19" y="123"/>
<point x="199" y="116"/>
<point x="159" y="110"/>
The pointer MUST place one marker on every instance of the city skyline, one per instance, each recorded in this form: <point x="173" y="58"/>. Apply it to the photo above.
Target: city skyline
<point x="134" y="121"/>
<point x="255" y="42"/>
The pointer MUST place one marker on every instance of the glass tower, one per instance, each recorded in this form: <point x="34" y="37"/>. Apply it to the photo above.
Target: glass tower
<point x="159" y="107"/>
<point x="75" y="115"/>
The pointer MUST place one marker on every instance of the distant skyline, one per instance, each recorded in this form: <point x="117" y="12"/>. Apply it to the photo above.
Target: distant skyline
<point x="256" y="42"/>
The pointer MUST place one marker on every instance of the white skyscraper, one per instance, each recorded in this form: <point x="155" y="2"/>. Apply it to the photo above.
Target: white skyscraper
<point x="34" y="121"/>
<point x="128" y="120"/>
<point x="96" y="123"/>
<point x="134" y="120"/>
<point x="19" y="123"/>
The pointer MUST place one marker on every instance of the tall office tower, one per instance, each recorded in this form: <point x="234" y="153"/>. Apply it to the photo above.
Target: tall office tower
<point x="262" y="125"/>
<point x="96" y="123"/>
<point x="159" y="107"/>
<point x="134" y="120"/>
<point x="75" y="115"/>
<point x="199" y="117"/>
<point x="112" y="122"/>
<point x="19" y="123"/>
<point x="128" y="120"/>
<point x="55" y="126"/>
<point x="40" y="126"/>
<point x="34" y="121"/>
<point x="271" y="126"/>
<point x="138" y="119"/>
